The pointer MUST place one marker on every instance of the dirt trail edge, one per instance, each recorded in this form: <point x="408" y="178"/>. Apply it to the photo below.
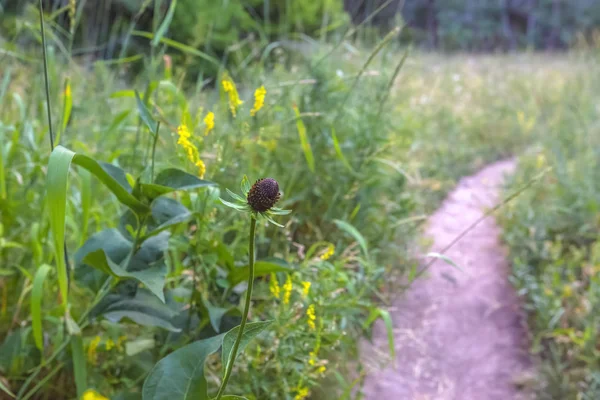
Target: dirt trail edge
<point x="459" y="335"/>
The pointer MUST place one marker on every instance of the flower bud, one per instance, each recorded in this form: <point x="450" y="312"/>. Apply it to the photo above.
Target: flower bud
<point x="263" y="194"/>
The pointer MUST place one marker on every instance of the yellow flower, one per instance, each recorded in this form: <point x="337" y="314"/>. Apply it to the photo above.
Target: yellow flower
<point x="305" y="288"/>
<point x="91" y="394"/>
<point x="234" y="97"/>
<point x="287" y="290"/>
<point x="184" y="141"/>
<point x="92" y="354"/>
<point x="201" y="168"/>
<point x="330" y="251"/>
<point x="274" y="286"/>
<point x="209" y="121"/>
<point x="567" y="291"/>
<point x="313" y="358"/>
<point x="259" y="100"/>
<point x="120" y="342"/>
<point x="310" y="314"/>
<point x="540" y="161"/>
<point x="301" y="393"/>
<point x="109" y="344"/>
<point x="321" y="369"/>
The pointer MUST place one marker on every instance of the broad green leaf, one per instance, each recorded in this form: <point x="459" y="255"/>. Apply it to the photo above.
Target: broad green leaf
<point x="389" y="326"/>
<point x="215" y="314"/>
<point x="79" y="364"/>
<point x="261" y="268"/>
<point x="145" y="114"/>
<point x="143" y="309"/>
<point x="308" y="154"/>
<point x="37" y="293"/>
<point x="176" y="179"/>
<point x="162" y="29"/>
<point x="117" y="174"/>
<point x="251" y="330"/>
<point x="180" y="375"/>
<point x="86" y="202"/>
<point x="153" y="277"/>
<point x="446" y="259"/>
<point x="137" y="346"/>
<point x="346" y="227"/>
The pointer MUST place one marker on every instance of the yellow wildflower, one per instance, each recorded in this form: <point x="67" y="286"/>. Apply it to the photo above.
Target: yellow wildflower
<point x="109" y="344"/>
<point x="91" y="394"/>
<point x="321" y="369"/>
<point x="120" y="342"/>
<point x="209" y="121"/>
<point x="330" y="251"/>
<point x="201" y="168"/>
<point x="310" y="314"/>
<point x="305" y="288"/>
<point x="184" y="141"/>
<point x="287" y="290"/>
<point x="259" y="100"/>
<point x="274" y="286"/>
<point x="301" y="393"/>
<point x="567" y="291"/>
<point x="234" y="97"/>
<point x="92" y="354"/>
<point x="313" y="358"/>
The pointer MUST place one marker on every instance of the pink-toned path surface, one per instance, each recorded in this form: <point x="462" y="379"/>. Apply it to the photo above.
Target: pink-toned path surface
<point x="459" y="335"/>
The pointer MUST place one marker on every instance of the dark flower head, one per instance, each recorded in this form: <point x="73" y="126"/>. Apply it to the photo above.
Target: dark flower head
<point x="263" y="194"/>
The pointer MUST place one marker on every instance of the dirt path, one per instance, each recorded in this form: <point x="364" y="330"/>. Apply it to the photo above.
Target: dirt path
<point x="459" y="335"/>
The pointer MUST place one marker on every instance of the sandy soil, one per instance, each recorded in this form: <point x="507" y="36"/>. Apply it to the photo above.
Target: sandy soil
<point x="459" y="335"/>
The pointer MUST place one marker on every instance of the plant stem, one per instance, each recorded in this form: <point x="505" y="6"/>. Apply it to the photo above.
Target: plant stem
<point x="46" y="76"/>
<point x="236" y="345"/>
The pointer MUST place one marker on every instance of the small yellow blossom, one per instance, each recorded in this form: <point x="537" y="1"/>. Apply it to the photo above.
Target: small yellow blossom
<point x="330" y="251"/>
<point x="301" y="393"/>
<point x="321" y="369"/>
<point x="305" y="288"/>
<point x="209" y="121"/>
<point x="91" y="394"/>
<point x="274" y="286"/>
<point x="310" y="314"/>
<point x="201" y="168"/>
<point x="120" y="342"/>
<point x="287" y="290"/>
<point x="234" y="97"/>
<point x="567" y="291"/>
<point x="109" y="344"/>
<point x="259" y="100"/>
<point x="313" y="358"/>
<point x="92" y="354"/>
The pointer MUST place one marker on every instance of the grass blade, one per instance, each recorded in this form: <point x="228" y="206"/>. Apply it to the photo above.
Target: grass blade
<point x="346" y="227"/>
<point x="37" y="293"/>
<point x="79" y="364"/>
<point x="165" y="24"/>
<point x="6" y="390"/>
<point x="338" y="151"/>
<point x="179" y="46"/>
<point x="308" y="154"/>
<point x="389" y="327"/>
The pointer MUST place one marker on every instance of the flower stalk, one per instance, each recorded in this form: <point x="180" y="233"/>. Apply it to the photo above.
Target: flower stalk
<point x="236" y="344"/>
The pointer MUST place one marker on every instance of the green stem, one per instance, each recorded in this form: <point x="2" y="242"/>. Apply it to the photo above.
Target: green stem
<point x="236" y="345"/>
<point x="47" y="85"/>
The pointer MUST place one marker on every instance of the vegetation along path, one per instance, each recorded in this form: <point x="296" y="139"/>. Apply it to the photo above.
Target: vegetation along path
<point x="459" y="335"/>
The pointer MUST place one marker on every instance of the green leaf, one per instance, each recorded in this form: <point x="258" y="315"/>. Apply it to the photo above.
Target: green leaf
<point x="176" y="179"/>
<point x="68" y="104"/>
<point x="11" y="394"/>
<point x="338" y="151"/>
<point x="346" y="227"/>
<point x="239" y="207"/>
<point x="261" y="268"/>
<point x="215" y="314"/>
<point x="236" y="196"/>
<point x="232" y="397"/>
<point x="251" y="330"/>
<point x="79" y="365"/>
<point x="137" y="346"/>
<point x="389" y="326"/>
<point x="180" y="375"/>
<point x="143" y="309"/>
<point x="153" y="277"/>
<point x="179" y="46"/>
<point x="117" y="174"/>
<point x="444" y="258"/>
<point x="308" y="154"/>
<point x="145" y="114"/>
<point x="162" y="29"/>
<point x="37" y="293"/>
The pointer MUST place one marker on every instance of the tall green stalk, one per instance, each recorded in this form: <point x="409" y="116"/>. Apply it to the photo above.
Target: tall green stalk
<point x="236" y="345"/>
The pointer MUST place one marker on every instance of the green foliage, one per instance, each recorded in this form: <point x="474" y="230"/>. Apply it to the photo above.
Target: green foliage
<point x="553" y="232"/>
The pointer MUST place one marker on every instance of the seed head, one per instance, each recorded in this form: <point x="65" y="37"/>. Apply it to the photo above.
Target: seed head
<point x="263" y="194"/>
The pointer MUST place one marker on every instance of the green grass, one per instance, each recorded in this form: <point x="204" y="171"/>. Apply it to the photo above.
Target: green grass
<point x="552" y="231"/>
<point x="362" y="154"/>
